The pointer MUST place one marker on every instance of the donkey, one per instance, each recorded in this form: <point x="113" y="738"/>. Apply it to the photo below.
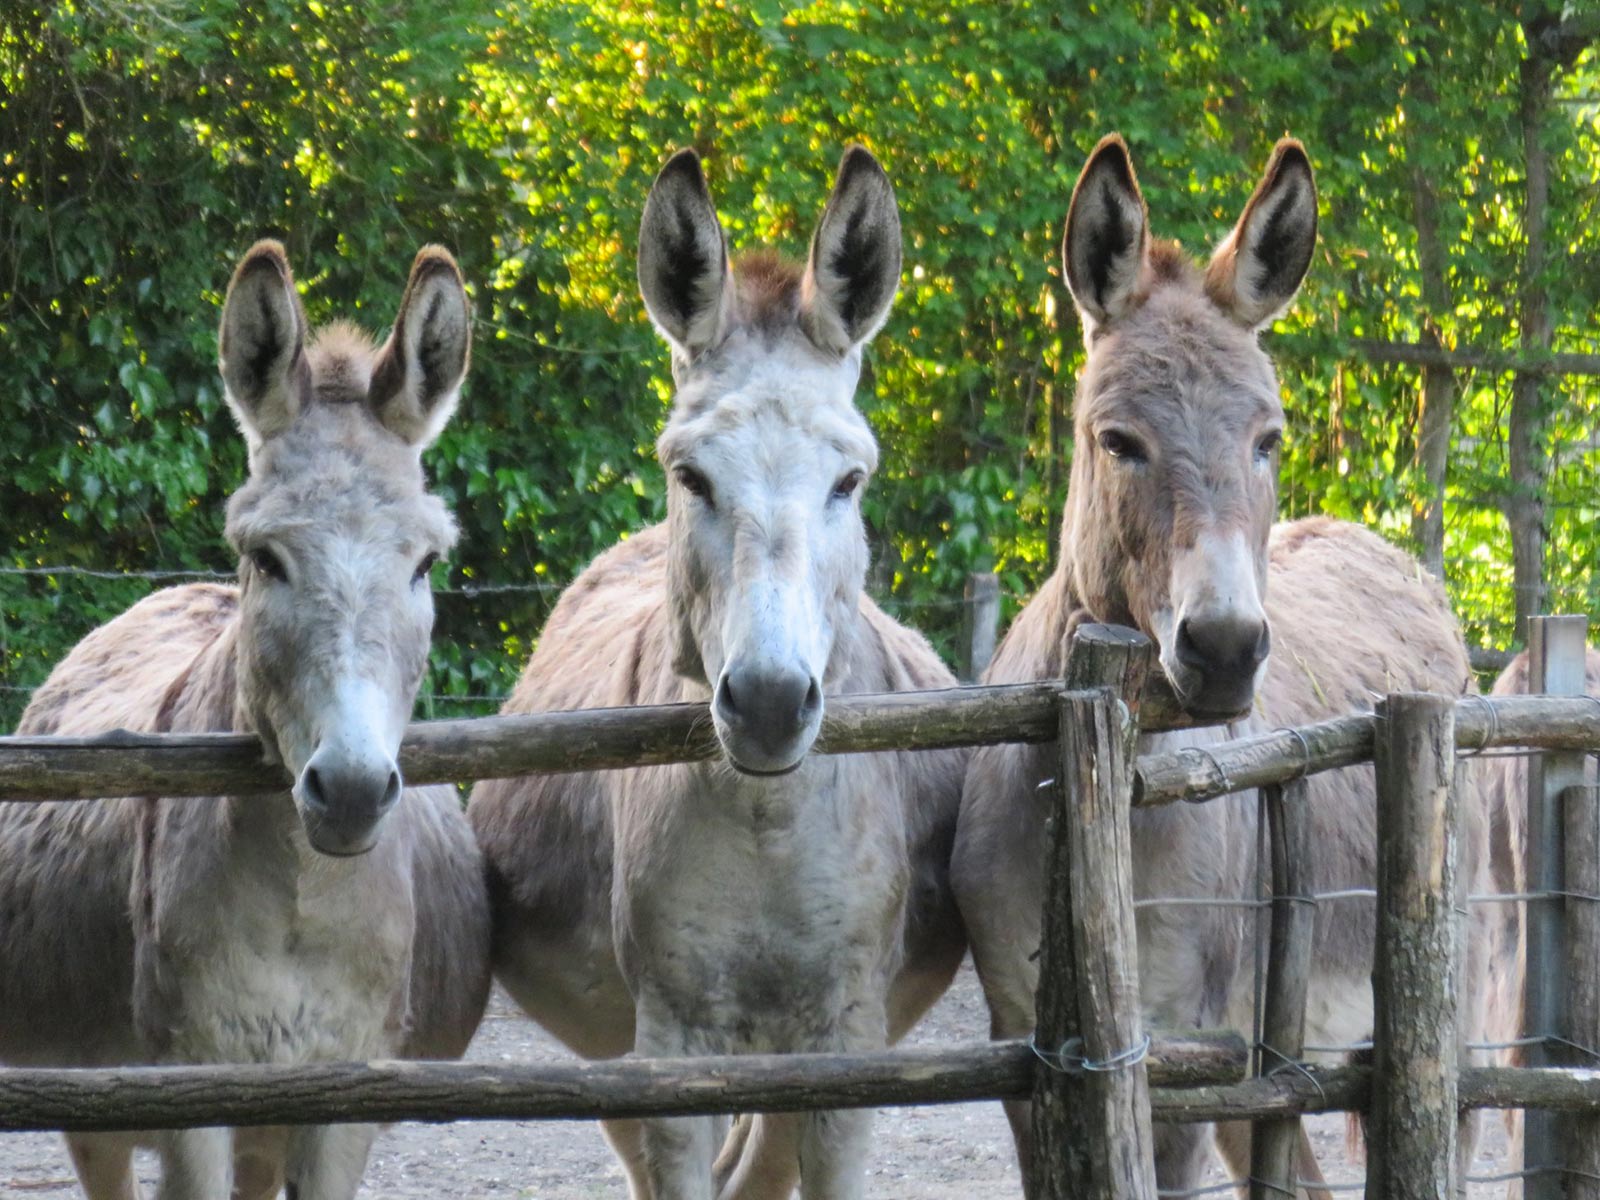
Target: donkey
<point x="346" y="918"/>
<point x="766" y="901"/>
<point x="1168" y="528"/>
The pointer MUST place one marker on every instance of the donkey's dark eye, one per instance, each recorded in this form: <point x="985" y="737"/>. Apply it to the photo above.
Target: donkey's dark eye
<point x="424" y="567"/>
<point x="847" y="485"/>
<point x="1122" y="446"/>
<point x="693" y="482"/>
<point x="1268" y="445"/>
<point x="269" y="564"/>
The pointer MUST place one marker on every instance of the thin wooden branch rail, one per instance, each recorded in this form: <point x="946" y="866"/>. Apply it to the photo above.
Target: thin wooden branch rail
<point x="333" y="1093"/>
<point x="184" y="1097"/>
<point x="210" y="764"/>
<point x="1539" y="722"/>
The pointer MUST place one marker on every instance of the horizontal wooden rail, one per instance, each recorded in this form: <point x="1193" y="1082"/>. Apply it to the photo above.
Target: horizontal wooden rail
<point x="211" y="764"/>
<point x="1347" y="1089"/>
<point x="1184" y="1069"/>
<point x="208" y="764"/>
<point x="1543" y="722"/>
<point x="183" y="1097"/>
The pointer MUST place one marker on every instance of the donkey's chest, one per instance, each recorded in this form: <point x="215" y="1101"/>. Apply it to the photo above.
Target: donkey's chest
<point x="280" y="975"/>
<point x="768" y="917"/>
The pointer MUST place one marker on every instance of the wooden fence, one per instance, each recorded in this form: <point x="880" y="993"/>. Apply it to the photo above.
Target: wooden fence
<point x="1093" y="1128"/>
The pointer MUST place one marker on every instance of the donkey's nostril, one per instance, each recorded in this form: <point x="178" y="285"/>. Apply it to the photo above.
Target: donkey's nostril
<point x="724" y="697"/>
<point x="812" y="702"/>
<point x="391" y="792"/>
<point x="311" y="788"/>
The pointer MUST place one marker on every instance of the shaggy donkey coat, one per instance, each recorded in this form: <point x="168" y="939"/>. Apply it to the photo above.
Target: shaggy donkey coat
<point x="770" y="900"/>
<point x="224" y="929"/>
<point x="1169" y="529"/>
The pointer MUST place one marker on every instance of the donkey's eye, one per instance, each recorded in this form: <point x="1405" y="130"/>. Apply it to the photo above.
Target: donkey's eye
<point x="269" y="564"/>
<point x="847" y="485"/>
<point x="424" y="567"/>
<point x="693" y="482"/>
<point x="1122" y="446"/>
<point x="1268" y="445"/>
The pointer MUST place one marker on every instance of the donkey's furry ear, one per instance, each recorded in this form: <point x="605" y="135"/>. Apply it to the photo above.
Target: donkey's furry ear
<point x="1107" y="235"/>
<point x="683" y="258"/>
<point x="1255" y="273"/>
<point x="854" y="268"/>
<point x="260" y="345"/>
<point x="416" y="379"/>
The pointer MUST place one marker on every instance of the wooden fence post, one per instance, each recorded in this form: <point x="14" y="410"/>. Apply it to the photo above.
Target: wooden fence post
<point x="1556" y="647"/>
<point x="981" y="602"/>
<point x="1581" y="809"/>
<point x="1412" y="1134"/>
<point x="1091" y="1112"/>
<point x="1273" y="1146"/>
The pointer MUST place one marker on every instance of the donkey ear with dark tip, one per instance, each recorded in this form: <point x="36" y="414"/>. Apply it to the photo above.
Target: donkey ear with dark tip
<point x="1107" y="235"/>
<point x="854" y="267"/>
<point x="1256" y="272"/>
<point x="683" y="258"/>
<point x="260" y="344"/>
<point x="416" y="380"/>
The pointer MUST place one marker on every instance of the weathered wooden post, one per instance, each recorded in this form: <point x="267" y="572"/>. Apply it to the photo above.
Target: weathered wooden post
<point x="982" y="604"/>
<point x="1412" y="1133"/>
<point x="1091" y="1101"/>
<point x="1556" y="647"/>
<point x="1581" y="809"/>
<point x="1273" y="1147"/>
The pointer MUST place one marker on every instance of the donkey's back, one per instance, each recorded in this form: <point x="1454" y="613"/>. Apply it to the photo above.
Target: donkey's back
<point x="79" y="1010"/>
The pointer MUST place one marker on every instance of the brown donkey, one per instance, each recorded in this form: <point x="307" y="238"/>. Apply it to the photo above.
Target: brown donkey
<point x="344" y="919"/>
<point x="1169" y="529"/>
<point x="771" y="900"/>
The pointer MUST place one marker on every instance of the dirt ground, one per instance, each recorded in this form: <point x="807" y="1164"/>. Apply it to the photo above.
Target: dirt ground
<point x="955" y="1152"/>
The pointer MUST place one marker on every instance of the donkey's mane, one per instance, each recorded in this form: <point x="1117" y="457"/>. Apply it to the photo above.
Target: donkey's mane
<point x="768" y="286"/>
<point x="1171" y="263"/>
<point x="341" y="356"/>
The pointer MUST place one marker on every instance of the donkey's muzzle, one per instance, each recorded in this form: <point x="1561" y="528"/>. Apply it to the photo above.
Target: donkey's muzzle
<point x="1220" y="657"/>
<point x="767" y="716"/>
<point x="343" y="803"/>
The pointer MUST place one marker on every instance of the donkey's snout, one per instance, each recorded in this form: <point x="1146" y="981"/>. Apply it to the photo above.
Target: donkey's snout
<point x="342" y="802"/>
<point x="1223" y="652"/>
<point x="1224" y="643"/>
<point x="767" y="715"/>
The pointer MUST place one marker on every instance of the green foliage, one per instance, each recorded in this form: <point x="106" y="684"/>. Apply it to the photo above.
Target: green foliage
<point x="143" y="146"/>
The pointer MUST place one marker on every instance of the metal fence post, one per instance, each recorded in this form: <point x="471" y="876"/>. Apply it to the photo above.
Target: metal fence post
<point x="1416" y="1065"/>
<point x="981" y="603"/>
<point x="1556" y="649"/>
<point x="1091" y="1135"/>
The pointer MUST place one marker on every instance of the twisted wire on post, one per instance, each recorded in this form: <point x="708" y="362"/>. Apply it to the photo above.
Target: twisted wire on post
<point x="1067" y="1062"/>
<point x="1491" y="734"/>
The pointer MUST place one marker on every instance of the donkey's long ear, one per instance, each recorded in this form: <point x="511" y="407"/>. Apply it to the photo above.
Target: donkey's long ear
<point x="1107" y="234"/>
<point x="260" y="346"/>
<point x="1255" y="273"/>
<point x="683" y="258"/>
<point x="854" y="269"/>
<point x="416" y="379"/>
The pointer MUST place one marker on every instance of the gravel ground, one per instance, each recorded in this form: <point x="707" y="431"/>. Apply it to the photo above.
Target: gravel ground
<point x="954" y="1152"/>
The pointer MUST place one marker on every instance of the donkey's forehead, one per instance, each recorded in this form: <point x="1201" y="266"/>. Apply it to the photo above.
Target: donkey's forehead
<point x="337" y="470"/>
<point x="1178" y="354"/>
<point x="766" y="388"/>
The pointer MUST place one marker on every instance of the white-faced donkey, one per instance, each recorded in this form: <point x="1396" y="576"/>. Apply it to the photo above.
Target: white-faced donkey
<point x="345" y="918"/>
<point x="770" y="900"/>
<point x="1169" y="528"/>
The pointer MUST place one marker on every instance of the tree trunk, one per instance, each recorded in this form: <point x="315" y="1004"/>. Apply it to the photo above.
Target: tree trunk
<point x="1438" y="380"/>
